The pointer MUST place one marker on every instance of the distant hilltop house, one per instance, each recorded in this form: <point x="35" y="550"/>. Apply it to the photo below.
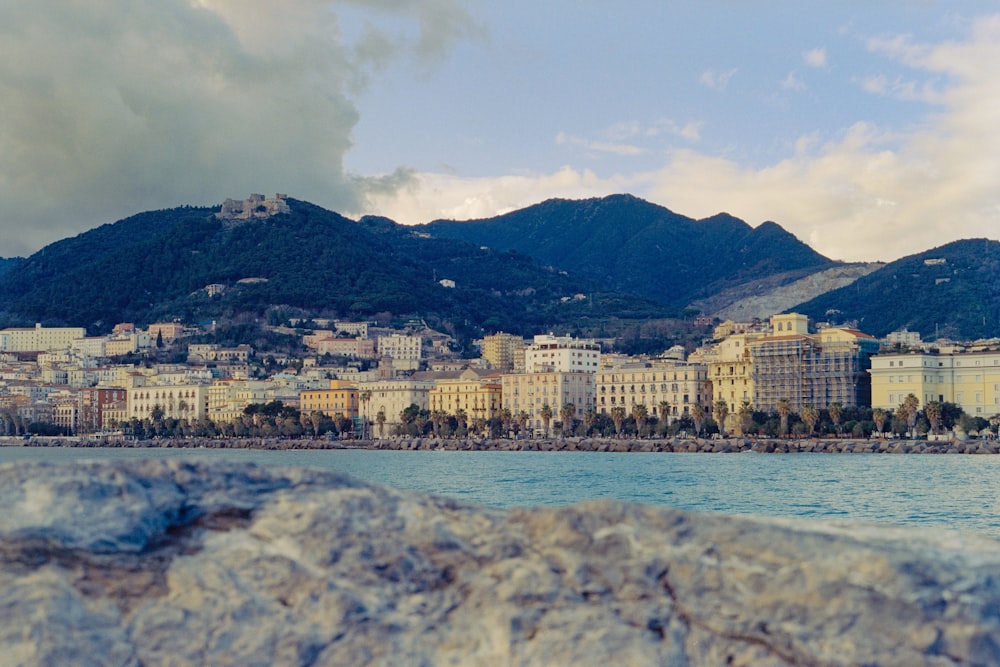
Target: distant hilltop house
<point x="255" y="206"/>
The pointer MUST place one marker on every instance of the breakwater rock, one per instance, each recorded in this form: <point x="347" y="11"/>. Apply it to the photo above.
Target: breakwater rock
<point x="575" y="444"/>
<point x="173" y="562"/>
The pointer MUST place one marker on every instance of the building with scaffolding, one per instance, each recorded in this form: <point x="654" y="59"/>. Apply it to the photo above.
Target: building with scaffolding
<point x="786" y="361"/>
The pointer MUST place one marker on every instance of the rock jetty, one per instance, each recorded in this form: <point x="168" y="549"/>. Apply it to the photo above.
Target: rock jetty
<point x="575" y="444"/>
<point x="152" y="562"/>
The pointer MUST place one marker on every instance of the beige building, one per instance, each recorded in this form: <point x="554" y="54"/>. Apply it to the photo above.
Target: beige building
<point x="679" y="384"/>
<point x="391" y="397"/>
<point x="177" y="401"/>
<point x="970" y="380"/>
<point x="505" y="352"/>
<point x="530" y="392"/>
<point x="476" y="393"/>
<point x="760" y="368"/>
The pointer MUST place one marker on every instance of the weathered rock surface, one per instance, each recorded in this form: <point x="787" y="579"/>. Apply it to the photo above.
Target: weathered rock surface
<point x="175" y="563"/>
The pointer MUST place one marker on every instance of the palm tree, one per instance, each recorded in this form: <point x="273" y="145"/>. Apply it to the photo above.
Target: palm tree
<point x="784" y="407"/>
<point x="912" y="403"/>
<point x="380" y="420"/>
<point x="437" y="418"/>
<point x="698" y="416"/>
<point x="746" y="417"/>
<point x="721" y="411"/>
<point x="589" y="418"/>
<point x="664" y="412"/>
<point x="566" y="414"/>
<point x="546" y="415"/>
<point x="365" y="397"/>
<point x="836" y="411"/>
<point x="618" y="418"/>
<point x="463" y="419"/>
<point x="810" y="416"/>
<point x="932" y="411"/>
<point x="639" y="415"/>
<point x="879" y="416"/>
<point x="521" y="418"/>
<point x="506" y="419"/>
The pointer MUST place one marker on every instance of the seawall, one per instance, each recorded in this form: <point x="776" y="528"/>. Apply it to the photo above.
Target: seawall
<point x="665" y="445"/>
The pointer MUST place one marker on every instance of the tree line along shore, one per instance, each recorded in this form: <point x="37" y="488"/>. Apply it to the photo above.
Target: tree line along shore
<point x="572" y="444"/>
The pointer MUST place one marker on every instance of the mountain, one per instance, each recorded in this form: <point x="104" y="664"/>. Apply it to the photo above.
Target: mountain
<point x="156" y="266"/>
<point x="950" y="291"/>
<point x="631" y="245"/>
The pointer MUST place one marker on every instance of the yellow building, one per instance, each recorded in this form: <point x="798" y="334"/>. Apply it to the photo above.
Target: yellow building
<point x="970" y="380"/>
<point x="476" y="393"/>
<point x="787" y="362"/>
<point x="730" y="369"/>
<point x="339" y="400"/>
<point x="505" y="352"/>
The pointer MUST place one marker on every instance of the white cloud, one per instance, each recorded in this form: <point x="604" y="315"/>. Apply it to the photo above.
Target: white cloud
<point x="111" y="107"/>
<point x="717" y="81"/>
<point x="616" y="148"/>
<point x="815" y="58"/>
<point x="870" y="194"/>
<point x="792" y="82"/>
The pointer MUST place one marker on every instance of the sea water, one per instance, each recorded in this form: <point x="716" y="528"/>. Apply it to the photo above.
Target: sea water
<point x="953" y="491"/>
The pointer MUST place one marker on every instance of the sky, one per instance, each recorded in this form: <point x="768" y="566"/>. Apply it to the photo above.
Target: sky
<point x="870" y="130"/>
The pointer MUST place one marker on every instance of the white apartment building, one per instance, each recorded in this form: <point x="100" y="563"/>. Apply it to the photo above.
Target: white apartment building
<point x="400" y="347"/>
<point x="564" y="354"/>
<point x="39" y="338"/>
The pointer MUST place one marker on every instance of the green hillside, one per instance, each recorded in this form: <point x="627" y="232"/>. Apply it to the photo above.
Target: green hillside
<point x="631" y="245"/>
<point x="154" y="266"/>
<point x="951" y="291"/>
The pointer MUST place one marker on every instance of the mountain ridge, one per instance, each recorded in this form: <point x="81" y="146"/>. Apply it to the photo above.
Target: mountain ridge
<point x="641" y="247"/>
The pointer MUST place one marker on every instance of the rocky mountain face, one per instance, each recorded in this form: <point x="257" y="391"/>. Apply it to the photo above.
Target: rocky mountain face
<point x="765" y="297"/>
<point x="172" y="562"/>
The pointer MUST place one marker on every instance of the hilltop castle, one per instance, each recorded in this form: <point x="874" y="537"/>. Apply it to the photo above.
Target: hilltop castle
<point x="255" y="206"/>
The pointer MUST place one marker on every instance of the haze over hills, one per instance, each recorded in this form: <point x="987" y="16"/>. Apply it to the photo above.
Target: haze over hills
<point x="573" y="265"/>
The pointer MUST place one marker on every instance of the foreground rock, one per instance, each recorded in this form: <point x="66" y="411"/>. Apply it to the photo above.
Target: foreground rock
<point x="169" y="562"/>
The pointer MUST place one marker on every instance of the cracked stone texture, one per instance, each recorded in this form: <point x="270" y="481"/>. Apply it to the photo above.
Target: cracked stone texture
<point x="177" y="563"/>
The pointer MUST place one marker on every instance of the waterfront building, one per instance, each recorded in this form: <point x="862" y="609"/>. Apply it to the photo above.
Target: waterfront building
<point x="531" y="392"/>
<point x="173" y="401"/>
<point x="340" y="399"/>
<point x="971" y="380"/>
<point x="476" y="393"/>
<point x="678" y="385"/>
<point x="93" y="404"/>
<point x="762" y="367"/>
<point x="391" y="397"/>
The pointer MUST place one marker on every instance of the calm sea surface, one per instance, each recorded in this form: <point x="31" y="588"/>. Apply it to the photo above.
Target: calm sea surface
<point x="952" y="490"/>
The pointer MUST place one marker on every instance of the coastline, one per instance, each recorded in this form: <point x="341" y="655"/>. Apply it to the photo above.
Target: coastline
<point x="575" y="444"/>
